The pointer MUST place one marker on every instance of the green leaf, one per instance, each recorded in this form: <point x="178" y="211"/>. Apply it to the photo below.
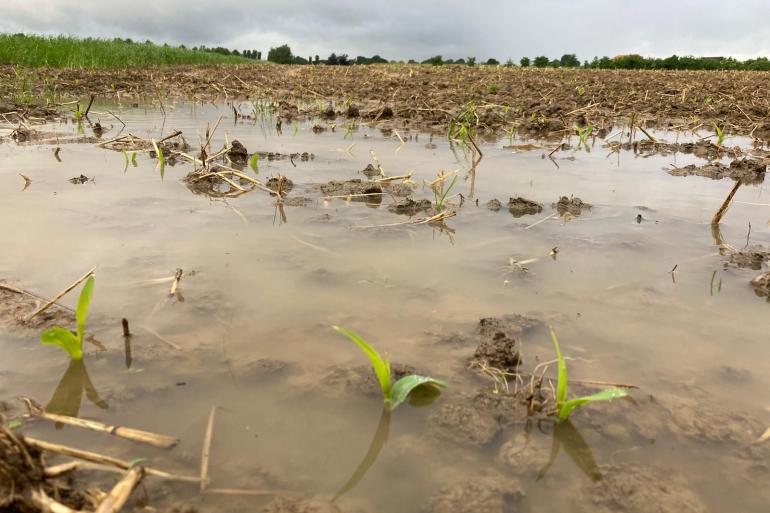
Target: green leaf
<point x="561" y="386"/>
<point x="84" y="303"/>
<point x="254" y="163"/>
<point x="15" y="424"/>
<point x="405" y="385"/>
<point x="63" y="339"/>
<point x="605" y="395"/>
<point x="381" y="367"/>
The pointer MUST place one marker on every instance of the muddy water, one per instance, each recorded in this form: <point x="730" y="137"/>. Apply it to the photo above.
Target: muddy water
<point x="260" y="294"/>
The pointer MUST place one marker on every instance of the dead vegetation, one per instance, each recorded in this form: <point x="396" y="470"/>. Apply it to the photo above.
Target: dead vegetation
<point x="536" y="101"/>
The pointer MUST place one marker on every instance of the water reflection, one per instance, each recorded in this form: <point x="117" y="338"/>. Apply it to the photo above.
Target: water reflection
<point x="420" y="397"/>
<point x="68" y="396"/>
<point x="375" y="447"/>
<point x="565" y="434"/>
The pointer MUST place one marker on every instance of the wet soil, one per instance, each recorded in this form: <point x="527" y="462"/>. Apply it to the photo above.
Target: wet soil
<point x="748" y="171"/>
<point x="519" y="207"/>
<point x="571" y="205"/>
<point x="431" y="95"/>
<point x="299" y="405"/>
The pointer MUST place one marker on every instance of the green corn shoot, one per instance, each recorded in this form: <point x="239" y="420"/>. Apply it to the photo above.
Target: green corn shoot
<point x="254" y="163"/>
<point x="393" y="393"/>
<point x="720" y="134"/>
<point x="133" y="159"/>
<point x="159" y="152"/>
<point x="564" y="407"/>
<point x="64" y="338"/>
<point x="440" y="193"/>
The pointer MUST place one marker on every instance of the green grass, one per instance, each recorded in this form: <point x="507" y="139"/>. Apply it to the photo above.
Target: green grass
<point x="71" y="52"/>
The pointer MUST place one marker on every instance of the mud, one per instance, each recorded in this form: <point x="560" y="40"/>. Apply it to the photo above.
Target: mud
<point x="748" y="171"/>
<point x="494" y="205"/>
<point x="749" y="258"/>
<point x="22" y="478"/>
<point x="571" y="205"/>
<point x="635" y="489"/>
<point x="761" y="284"/>
<point x="299" y="505"/>
<point x="519" y="207"/>
<point x="238" y="152"/>
<point x="15" y="307"/>
<point x="354" y="188"/>
<point x="498" y="351"/>
<point x="410" y="207"/>
<point x="490" y="494"/>
<point x="430" y="95"/>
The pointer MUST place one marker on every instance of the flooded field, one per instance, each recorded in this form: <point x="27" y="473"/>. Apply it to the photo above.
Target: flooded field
<point x="642" y="291"/>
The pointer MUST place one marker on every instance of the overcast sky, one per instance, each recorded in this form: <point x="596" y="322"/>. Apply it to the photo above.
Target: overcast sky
<point x="397" y="29"/>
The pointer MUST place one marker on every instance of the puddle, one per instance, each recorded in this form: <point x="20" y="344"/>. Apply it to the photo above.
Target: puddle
<point x="248" y="327"/>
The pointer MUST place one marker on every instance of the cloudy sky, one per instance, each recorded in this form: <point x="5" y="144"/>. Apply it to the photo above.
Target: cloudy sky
<point x="398" y="29"/>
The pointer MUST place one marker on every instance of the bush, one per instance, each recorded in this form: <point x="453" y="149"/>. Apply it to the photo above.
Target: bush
<point x="492" y="62"/>
<point x="436" y="60"/>
<point x="524" y="62"/>
<point x="470" y="61"/>
<point x="541" y="61"/>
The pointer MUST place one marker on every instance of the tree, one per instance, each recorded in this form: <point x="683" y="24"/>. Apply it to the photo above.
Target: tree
<point x="316" y="60"/>
<point x="280" y="55"/>
<point x="524" y="62"/>
<point x="541" y="61"/>
<point x="492" y="62"/>
<point x="470" y="61"/>
<point x="509" y="63"/>
<point x="569" y="60"/>
<point x="436" y="60"/>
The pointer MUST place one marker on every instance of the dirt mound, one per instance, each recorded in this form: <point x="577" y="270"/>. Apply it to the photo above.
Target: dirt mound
<point x="748" y="171"/>
<point x="498" y="351"/>
<point x="238" y="152"/>
<point x="572" y="205"/>
<point x="750" y="258"/>
<point x="761" y="285"/>
<point x="410" y="207"/>
<point x="519" y="207"/>
<point x="352" y="187"/>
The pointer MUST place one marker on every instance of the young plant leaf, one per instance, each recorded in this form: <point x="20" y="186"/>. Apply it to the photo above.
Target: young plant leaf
<point x="561" y="386"/>
<point x="63" y="339"/>
<point x="381" y="367"/>
<point x="254" y="163"/>
<point x="605" y="395"/>
<point x="15" y="424"/>
<point x="404" y="386"/>
<point x="84" y="303"/>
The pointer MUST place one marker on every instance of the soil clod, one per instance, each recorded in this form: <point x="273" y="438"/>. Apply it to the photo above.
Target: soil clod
<point x="238" y="152"/>
<point x="519" y="207"/>
<point x="571" y="205"/>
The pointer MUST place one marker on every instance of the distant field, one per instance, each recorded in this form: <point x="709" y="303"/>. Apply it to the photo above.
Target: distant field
<point x="70" y="52"/>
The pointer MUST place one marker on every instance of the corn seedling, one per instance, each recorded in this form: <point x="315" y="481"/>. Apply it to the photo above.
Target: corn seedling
<point x="254" y="163"/>
<point x="581" y="91"/>
<point x="565" y="407"/>
<point x="440" y="191"/>
<point x="720" y="134"/>
<point x="78" y="112"/>
<point x="65" y="339"/>
<point x="463" y="126"/>
<point x="583" y="135"/>
<point x="393" y="393"/>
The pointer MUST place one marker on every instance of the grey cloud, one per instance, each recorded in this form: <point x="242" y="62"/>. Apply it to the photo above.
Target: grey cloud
<point x="400" y="29"/>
